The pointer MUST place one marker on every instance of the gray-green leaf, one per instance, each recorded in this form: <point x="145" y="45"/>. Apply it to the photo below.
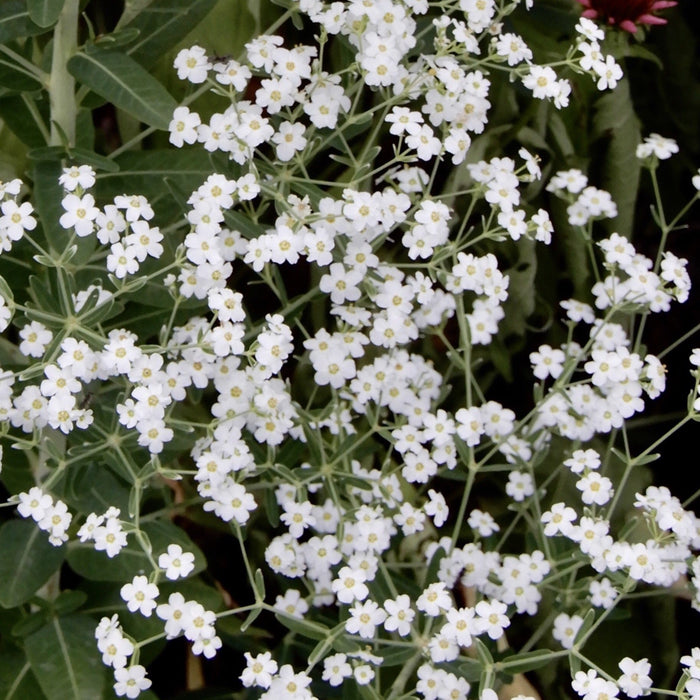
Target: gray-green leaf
<point x="28" y="560"/>
<point x="126" y="84"/>
<point x="15" y="21"/>
<point x="65" y="660"/>
<point x="45" y="13"/>
<point x="16" y="677"/>
<point x="162" y="23"/>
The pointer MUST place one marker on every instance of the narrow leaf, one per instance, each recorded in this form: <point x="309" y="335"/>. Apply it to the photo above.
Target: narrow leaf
<point x="126" y="84"/>
<point x="47" y="200"/>
<point x="527" y="661"/>
<point x="615" y="121"/>
<point x="45" y="13"/>
<point x="163" y="23"/>
<point x="65" y="660"/>
<point x="17" y="78"/>
<point x="304" y="627"/>
<point x="28" y="560"/>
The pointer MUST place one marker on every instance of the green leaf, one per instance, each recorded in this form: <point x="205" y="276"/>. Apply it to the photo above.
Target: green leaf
<point x="69" y="601"/>
<point x="47" y="202"/>
<point x="306" y="628"/>
<point x="470" y="669"/>
<point x="17" y="78"/>
<point x="45" y="13"/>
<point x="396" y="656"/>
<point x="575" y="250"/>
<point x="520" y="304"/>
<point x="91" y="487"/>
<point x="15" y="21"/>
<point x="126" y="84"/>
<point x="259" y="585"/>
<point x="114" y="40"/>
<point x="6" y="290"/>
<point x="16" y="678"/>
<point x="27" y="562"/>
<point x="585" y="626"/>
<point x="615" y="121"/>
<point x="31" y="623"/>
<point x="131" y="9"/>
<point x="252" y="616"/>
<point x="22" y="115"/>
<point x="483" y="653"/>
<point x="97" y="566"/>
<point x="527" y="661"/>
<point x="144" y="172"/>
<point x="162" y="24"/>
<point x="65" y="659"/>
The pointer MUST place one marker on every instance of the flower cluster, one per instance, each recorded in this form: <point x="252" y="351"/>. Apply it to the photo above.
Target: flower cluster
<point x="357" y="416"/>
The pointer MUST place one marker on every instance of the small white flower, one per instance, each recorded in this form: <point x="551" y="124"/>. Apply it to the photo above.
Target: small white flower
<point x="177" y="564"/>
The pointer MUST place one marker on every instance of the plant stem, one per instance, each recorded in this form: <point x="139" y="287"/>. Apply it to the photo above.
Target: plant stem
<point x="61" y="82"/>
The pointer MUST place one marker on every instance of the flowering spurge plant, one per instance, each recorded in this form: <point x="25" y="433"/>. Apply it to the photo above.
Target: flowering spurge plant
<point x="342" y="435"/>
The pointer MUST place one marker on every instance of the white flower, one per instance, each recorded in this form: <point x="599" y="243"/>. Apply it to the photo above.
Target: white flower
<point x="35" y="337"/>
<point x="183" y="127"/>
<point x="566" y="628"/>
<point x="399" y="615"/>
<point x="80" y="214"/>
<point x="140" y="595"/>
<point x="635" y="680"/>
<point x="259" y="670"/>
<point x="192" y="64"/>
<point x="82" y="176"/>
<point x="336" y="669"/>
<point x="608" y="71"/>
<point x="131" y="681"/>
<point x="659" y="146"/>
<point x="16" y="219"/>
<point x="177" y="564"/>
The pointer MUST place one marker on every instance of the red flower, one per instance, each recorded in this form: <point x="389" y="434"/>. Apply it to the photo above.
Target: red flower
<point x="626" y="14"/>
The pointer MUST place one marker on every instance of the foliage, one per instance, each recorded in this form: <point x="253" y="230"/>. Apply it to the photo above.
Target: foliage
<point x="324" y="353"/>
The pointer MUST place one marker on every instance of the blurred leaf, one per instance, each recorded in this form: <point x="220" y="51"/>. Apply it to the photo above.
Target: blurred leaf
<point x="27" y="562"/>
<point x="131" y="9"/>
<point x="143" y="172"/>
<point x="92" y="488"/>
<point x="65" y="659"/>
<point x="126" y="84"/>
<point x="639" y="51"/>
<point x="521" y="291"/>
<point x="31" y="623"/>
<point x="560" y="134"/>
<point x="15" y="21"/>
<point x="163" y="23"/>
<point x="470" y="670"/>
<point x="23" y="116"/>
<point x="527" y="661"/>
<point x="17" y="78"/>
<point x="17" y="682"/>
<point x="45" y="13"/>
<point x="97" y="566"/>
<point x="304" y="627"/>
<point x="68" y="602"/>
<point x="114" y="40"/>
<point x="396" y="656"/>
<point x="616" y="122"/>
<point x="575" y="249"/>
<point x="48" y="195"/>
